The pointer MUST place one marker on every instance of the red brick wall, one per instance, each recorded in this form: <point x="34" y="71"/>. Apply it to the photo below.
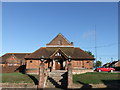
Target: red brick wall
<point x="34" y="64"/>
<point x="88" y="64"/>
<point x="82" y="64"/>
<point x="33" y="71"/>
<point x="76" y="63"/>
<point x="9" y="69"/>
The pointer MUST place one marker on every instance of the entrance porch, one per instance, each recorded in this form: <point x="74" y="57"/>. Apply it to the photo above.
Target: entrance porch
<point x="59" y="64"/>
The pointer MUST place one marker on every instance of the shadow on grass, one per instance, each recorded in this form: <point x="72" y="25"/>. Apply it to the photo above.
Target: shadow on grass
<point x="85" y="85"/>
<point x="21" y="69"/>
<point x="33" y="78"/>
<point x="112" y="83"/>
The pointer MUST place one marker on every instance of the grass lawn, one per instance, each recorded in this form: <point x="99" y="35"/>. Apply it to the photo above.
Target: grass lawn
<point x="97" y="77"/>
<point x="17" y="78"/>
<point x="87" y="78"/>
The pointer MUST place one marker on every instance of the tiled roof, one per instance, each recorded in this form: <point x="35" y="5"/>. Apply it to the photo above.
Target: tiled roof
<point x="17" y="55"/>
<point x="75" y="53"/>
<point x="114" y="62"/>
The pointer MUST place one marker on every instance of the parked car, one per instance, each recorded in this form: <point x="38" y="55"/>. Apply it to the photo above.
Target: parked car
<point x="107" y="69"/>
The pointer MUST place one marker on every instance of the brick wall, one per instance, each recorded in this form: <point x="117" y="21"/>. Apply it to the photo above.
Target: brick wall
<point x="80" y="71"/>
<point x="9" y="69"/>
<point x="34" y="64"/>
<point x="32" y="71"/>
<point x="82" y="64"/>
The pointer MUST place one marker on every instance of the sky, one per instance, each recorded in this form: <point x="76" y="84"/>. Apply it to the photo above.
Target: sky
<point x="27" y="26"/>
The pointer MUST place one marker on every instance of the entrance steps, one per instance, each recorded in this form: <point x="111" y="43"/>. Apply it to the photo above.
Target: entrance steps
<point x="57" y="79"/>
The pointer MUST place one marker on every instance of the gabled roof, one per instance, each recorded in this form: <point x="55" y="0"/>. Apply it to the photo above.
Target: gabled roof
<point x="75" y="53"/>
<point x="114" y="62"/>
<point x="60" y="40"/>
<point x="60" y="52"/>
<point x="6" y="56"/>
<point x="12" y="57"/>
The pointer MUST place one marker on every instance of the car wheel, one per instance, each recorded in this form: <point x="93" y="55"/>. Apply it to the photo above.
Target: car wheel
<point x="99" y="70"/>
<point x="111" y="70"/>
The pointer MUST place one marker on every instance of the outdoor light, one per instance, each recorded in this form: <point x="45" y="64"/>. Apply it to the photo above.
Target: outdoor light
<point x="42" y="58"/>
<point x="69" y="58"/>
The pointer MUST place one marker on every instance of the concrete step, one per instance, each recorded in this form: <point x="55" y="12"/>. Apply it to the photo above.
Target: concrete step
<point x="55" y="79"/>
<point x="52" y="83"/>
<point x="57" y="73"/>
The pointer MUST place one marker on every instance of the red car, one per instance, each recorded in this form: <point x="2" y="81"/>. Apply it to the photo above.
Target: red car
<point x="107" y="69"/>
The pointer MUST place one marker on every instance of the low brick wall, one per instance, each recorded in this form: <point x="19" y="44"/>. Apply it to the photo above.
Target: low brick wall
<point x="9" y="69"/>
<point x="80" y="71"/>
<point x="12" y="69"/>
<point x="18" y="85"/>
<point x="74" y="71"/>
<point x="32" y="71"/>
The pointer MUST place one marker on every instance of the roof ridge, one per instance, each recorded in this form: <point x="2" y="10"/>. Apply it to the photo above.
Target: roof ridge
<point x="16" y="53"/>
<point x="43" y="47"/>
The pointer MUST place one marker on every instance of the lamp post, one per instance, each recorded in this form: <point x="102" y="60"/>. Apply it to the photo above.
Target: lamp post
<point x="69" y="59"/>
<point x="42" y="59"/>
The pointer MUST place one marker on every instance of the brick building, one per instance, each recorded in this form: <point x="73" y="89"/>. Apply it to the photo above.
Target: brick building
<point x="10" y="62"/>
<point x="13" y="59"/>
<point x="56" y="55"/>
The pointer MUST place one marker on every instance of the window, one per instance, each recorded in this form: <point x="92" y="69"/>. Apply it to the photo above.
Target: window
<point x="87" y="62"/>
<point x="60" y="42"/>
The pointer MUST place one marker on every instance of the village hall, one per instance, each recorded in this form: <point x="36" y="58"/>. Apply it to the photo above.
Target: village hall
<point x="55" y="55"/>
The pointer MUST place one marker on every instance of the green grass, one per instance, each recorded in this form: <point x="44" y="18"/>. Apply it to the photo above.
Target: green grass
<point x="16" y="78"/>
<point x="87" y="78"/>
<point x="96" y="78"/>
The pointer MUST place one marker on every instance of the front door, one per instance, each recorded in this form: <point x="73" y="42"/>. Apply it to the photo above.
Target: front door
<point x="59" y="64"/>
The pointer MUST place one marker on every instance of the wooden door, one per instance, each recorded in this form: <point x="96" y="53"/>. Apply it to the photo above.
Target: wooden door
<point x="57" y="65"/>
